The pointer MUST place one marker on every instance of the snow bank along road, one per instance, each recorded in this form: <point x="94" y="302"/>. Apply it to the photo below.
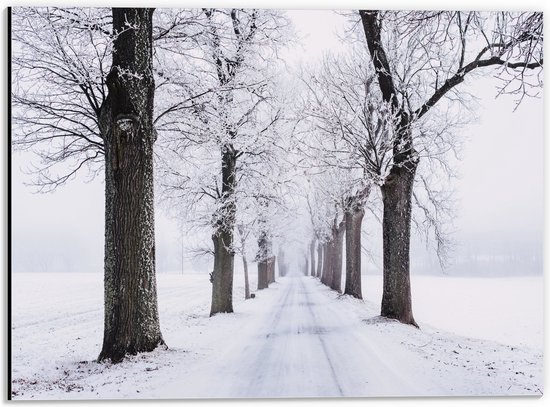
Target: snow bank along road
<point x="297" y="338"/>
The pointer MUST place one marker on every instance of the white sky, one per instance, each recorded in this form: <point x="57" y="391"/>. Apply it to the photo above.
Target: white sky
<point x="501" y="189"/>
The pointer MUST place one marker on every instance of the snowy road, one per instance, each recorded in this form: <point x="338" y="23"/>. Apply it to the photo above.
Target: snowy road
<point x="305" y="345"/>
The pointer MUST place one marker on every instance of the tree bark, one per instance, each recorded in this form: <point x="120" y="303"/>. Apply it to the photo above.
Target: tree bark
<point x="396" y="225"/>
<point x="312" y="257"/>
<point x="328" y="256"/>
<point x="222" y="276"/>
<point x="131" y="323"/>
<point x="262" y="275"/>
<point x="338" y="239"/>
<point x="354" y="218"/>
<point x="224" y="254"/>
<point x="319" y="259"/>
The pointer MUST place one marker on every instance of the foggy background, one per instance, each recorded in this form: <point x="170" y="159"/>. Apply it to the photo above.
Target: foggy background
<point x="499" y="223"/>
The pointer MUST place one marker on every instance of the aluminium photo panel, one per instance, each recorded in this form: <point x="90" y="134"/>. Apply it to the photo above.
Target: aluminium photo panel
<point x="264" y="203"/>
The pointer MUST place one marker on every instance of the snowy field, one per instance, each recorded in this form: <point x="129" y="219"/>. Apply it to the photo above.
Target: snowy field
<point x="298" y="338"/>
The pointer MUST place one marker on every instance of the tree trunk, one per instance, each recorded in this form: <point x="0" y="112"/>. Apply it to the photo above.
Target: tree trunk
<point x="262" y="275"/>
<point x="319" y="259"/>
<point x="324" y="268"/>
<point x="312" y="257"/>
<point x="222" y="276"/>
<point x="245" y="262"/>
<point x="131" y="321"/>
<point x="354" y="219"/>
<point x="264" y="251"/>
<point x="326" y="278"/>
<point x="246" y="284"/>
<point x="396" y="225"/>
<point x="224" y="254"/>
<point x="338" y="248"/>
<point x="271" y="269"/>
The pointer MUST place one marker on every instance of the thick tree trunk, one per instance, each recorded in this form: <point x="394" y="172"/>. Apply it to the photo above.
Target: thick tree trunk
<point x="271" y="270"/>
<point x="319" y="259"/>
<point x="262" y="275"/>
<point x="224" y="254"/>
<point x="338" y="239"/>
<point x="131" y="321"/>
<point x="222" y="276"/>
<point x="266" y="272"/>
<point x="396" y="225"/>
<point x="354" y="219"/>
<point x="328" y="253"/>
<point x="312" y="257"/>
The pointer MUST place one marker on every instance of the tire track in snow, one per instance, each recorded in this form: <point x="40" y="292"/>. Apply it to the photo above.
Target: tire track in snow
<point x="292" y="346"/>
<point x="259" y="379"/>
<point x="321" y="339"/>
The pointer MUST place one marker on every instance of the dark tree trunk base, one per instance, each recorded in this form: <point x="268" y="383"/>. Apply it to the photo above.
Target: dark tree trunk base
<point x="222" y="276"/>
<point x="396" y="225"/>
<point x="328" y="256"/>
<point x="262" y="275"/>
<point x="117" y="353"/>
<point x="406" y="321"/>
<point x="354" y="219"/>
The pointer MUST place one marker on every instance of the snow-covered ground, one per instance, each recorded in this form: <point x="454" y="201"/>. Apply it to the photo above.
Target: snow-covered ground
<point x="297" y="338"/>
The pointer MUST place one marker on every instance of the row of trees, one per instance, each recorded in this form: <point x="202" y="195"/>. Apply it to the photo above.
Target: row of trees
<point x="199" y="95"/>
<point x="375" y="114"/>
<point x="203" y="81"/>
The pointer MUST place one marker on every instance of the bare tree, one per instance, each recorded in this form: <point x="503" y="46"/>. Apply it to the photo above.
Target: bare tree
<point x="63" y="112"/>
<point x="229" y="128"/>
<point x="420" y="58"/>
<point x="131" y="311"/>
